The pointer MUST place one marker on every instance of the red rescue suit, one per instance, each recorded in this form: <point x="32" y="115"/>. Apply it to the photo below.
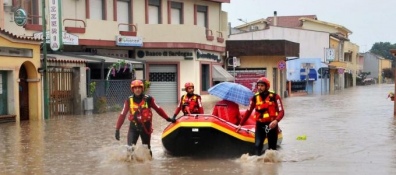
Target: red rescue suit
<point x="140" y="118"/>
<point x="267" y="110"/>
<point x="190" y="104"/>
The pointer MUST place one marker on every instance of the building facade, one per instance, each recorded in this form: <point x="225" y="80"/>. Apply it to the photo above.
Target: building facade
<point x="375" y="64"/>
<point x="20" y="81"/>
<point x="178" y="41"/>
<point x="317" y="39"/>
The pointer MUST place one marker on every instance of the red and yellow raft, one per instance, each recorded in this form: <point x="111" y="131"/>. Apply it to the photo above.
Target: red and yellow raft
<point x="209" y="135"/>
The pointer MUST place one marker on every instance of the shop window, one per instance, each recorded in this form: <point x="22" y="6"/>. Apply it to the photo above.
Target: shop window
<point x="205" y="77"/>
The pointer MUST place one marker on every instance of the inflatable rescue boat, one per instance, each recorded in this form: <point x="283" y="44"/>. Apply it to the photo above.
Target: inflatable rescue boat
<point x="209" y="135"/>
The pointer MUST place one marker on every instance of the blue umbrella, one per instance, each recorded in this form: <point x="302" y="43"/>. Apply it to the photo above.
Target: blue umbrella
<point x="233" y="92"/>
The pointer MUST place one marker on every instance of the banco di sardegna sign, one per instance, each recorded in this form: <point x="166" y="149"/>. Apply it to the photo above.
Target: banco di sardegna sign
<point x="142" y="54"/>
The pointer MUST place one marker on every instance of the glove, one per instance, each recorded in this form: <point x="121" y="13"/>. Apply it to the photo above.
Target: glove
<point x="171" y="120"/>
<point x="174" y="117"/>
<point x="117" y="134"/>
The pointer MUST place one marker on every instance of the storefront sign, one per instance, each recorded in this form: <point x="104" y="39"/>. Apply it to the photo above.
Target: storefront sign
<point x="208" y="56"/>
<point x="20" y="17"/>
<point x="330" y="55"/>
<point x="55" y="26"/>
<point x="67" y="38"/>
<point x="129" y="41"/>
<point x="16" y="52"/>
<point x="142" y="54"/>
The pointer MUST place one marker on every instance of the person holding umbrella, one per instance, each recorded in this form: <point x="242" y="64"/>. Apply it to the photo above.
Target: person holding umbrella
<point x="190" y="103"/>
<point x="231" y="94"/>
<point x="268" y="113"/>
<point x="139" y="108"/>
<point x="227" y="110"/>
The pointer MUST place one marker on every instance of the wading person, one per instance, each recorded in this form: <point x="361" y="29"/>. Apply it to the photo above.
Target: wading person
<point x="190" y="103"/>
<point x="268" y="112"/>
<point x="140" y="116"/>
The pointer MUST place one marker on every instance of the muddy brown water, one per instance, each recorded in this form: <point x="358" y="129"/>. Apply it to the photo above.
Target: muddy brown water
<point x="351" y="132"/>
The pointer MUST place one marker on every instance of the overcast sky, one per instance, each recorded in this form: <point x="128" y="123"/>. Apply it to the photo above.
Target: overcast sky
<point x="369" y="20"/>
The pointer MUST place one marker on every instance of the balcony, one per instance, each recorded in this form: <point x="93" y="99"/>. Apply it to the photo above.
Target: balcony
<point x="337" y="64"/>
<point x="74" y="29"/>
<point x="133" y="28"/>
<point x="184" y="34"/>
<point x="220" y="38"/>
<point x="34" y="23"/>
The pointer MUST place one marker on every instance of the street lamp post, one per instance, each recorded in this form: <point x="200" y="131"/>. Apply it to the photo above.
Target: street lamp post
<point x="45" y="81"/>
<point x="250" y="28"/>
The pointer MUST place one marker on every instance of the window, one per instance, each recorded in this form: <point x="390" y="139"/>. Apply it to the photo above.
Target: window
<point x="202" y="16"/>
<point x="32" y="10"/>
<point x="123" y="14"/>
<point x="205" y="77"/>
<point x="176" y="13"/>
<point x="96" y="9"/>
<point x="154" y="12"/>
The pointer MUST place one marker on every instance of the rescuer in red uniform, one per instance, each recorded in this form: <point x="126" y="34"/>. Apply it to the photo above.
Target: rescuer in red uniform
<point x="140" y="116"/>
<point x="268" y="112"/>
<point x="190" y="103"/>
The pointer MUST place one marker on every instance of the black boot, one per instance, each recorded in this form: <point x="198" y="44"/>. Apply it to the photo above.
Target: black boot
<point x="257" y="153"/>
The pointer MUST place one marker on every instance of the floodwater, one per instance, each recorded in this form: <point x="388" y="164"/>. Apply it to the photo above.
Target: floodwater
<point x="351" y="132"/>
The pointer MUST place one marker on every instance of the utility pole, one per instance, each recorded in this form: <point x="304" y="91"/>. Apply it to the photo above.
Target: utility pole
<point x="46" y="87"/>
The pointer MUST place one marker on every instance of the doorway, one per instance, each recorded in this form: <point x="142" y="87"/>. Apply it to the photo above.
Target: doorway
<point x="23" y="94"/>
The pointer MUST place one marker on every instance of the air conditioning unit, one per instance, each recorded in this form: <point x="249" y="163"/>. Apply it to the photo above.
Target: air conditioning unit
<point x="231" y="60"/>
<point x="7" y="3"/>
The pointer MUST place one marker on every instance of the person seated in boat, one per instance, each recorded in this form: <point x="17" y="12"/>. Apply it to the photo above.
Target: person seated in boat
<point x="190" y="103"/>
<point x="227" y="110"/>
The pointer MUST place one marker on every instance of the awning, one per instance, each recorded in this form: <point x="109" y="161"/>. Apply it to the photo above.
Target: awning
<point x="106" y="59"/>
<point x="63" y="59"/>
<point x="312" y="74"/>
<point x="220" y="74"/>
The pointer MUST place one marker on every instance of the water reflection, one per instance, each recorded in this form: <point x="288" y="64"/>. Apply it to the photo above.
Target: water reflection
<point x="352" y="132"/>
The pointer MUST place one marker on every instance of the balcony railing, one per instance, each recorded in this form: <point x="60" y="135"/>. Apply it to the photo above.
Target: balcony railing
<point x="209" y="35"/>
<point x="220" y="38"/>
<point x="75" y="29"/>
<point x="133" y="29"/>
<point x="33" y="23"/>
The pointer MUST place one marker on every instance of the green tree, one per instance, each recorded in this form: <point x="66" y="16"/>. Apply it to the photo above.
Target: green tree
<point x="382" y="49"/>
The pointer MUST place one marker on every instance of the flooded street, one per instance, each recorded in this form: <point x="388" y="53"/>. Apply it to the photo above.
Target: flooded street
<point x="351" y="132"/>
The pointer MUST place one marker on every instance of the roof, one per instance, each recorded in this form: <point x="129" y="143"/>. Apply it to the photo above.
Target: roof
<point x="289" y="21"/>
<point x="7" y="33"/>
<point x="261" y="20"/>
<point x="326" y="23"/>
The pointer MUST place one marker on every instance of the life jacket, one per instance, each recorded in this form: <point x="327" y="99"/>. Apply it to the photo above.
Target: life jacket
<point x="141" y="110"/>
<point x="265" y="109"/>
<point x="191" y="103"/>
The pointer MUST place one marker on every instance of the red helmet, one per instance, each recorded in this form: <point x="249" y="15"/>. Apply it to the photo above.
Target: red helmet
<point x="265" y="81"/>
<point x="188" y="84"/>
<point x="137" y="83"/>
